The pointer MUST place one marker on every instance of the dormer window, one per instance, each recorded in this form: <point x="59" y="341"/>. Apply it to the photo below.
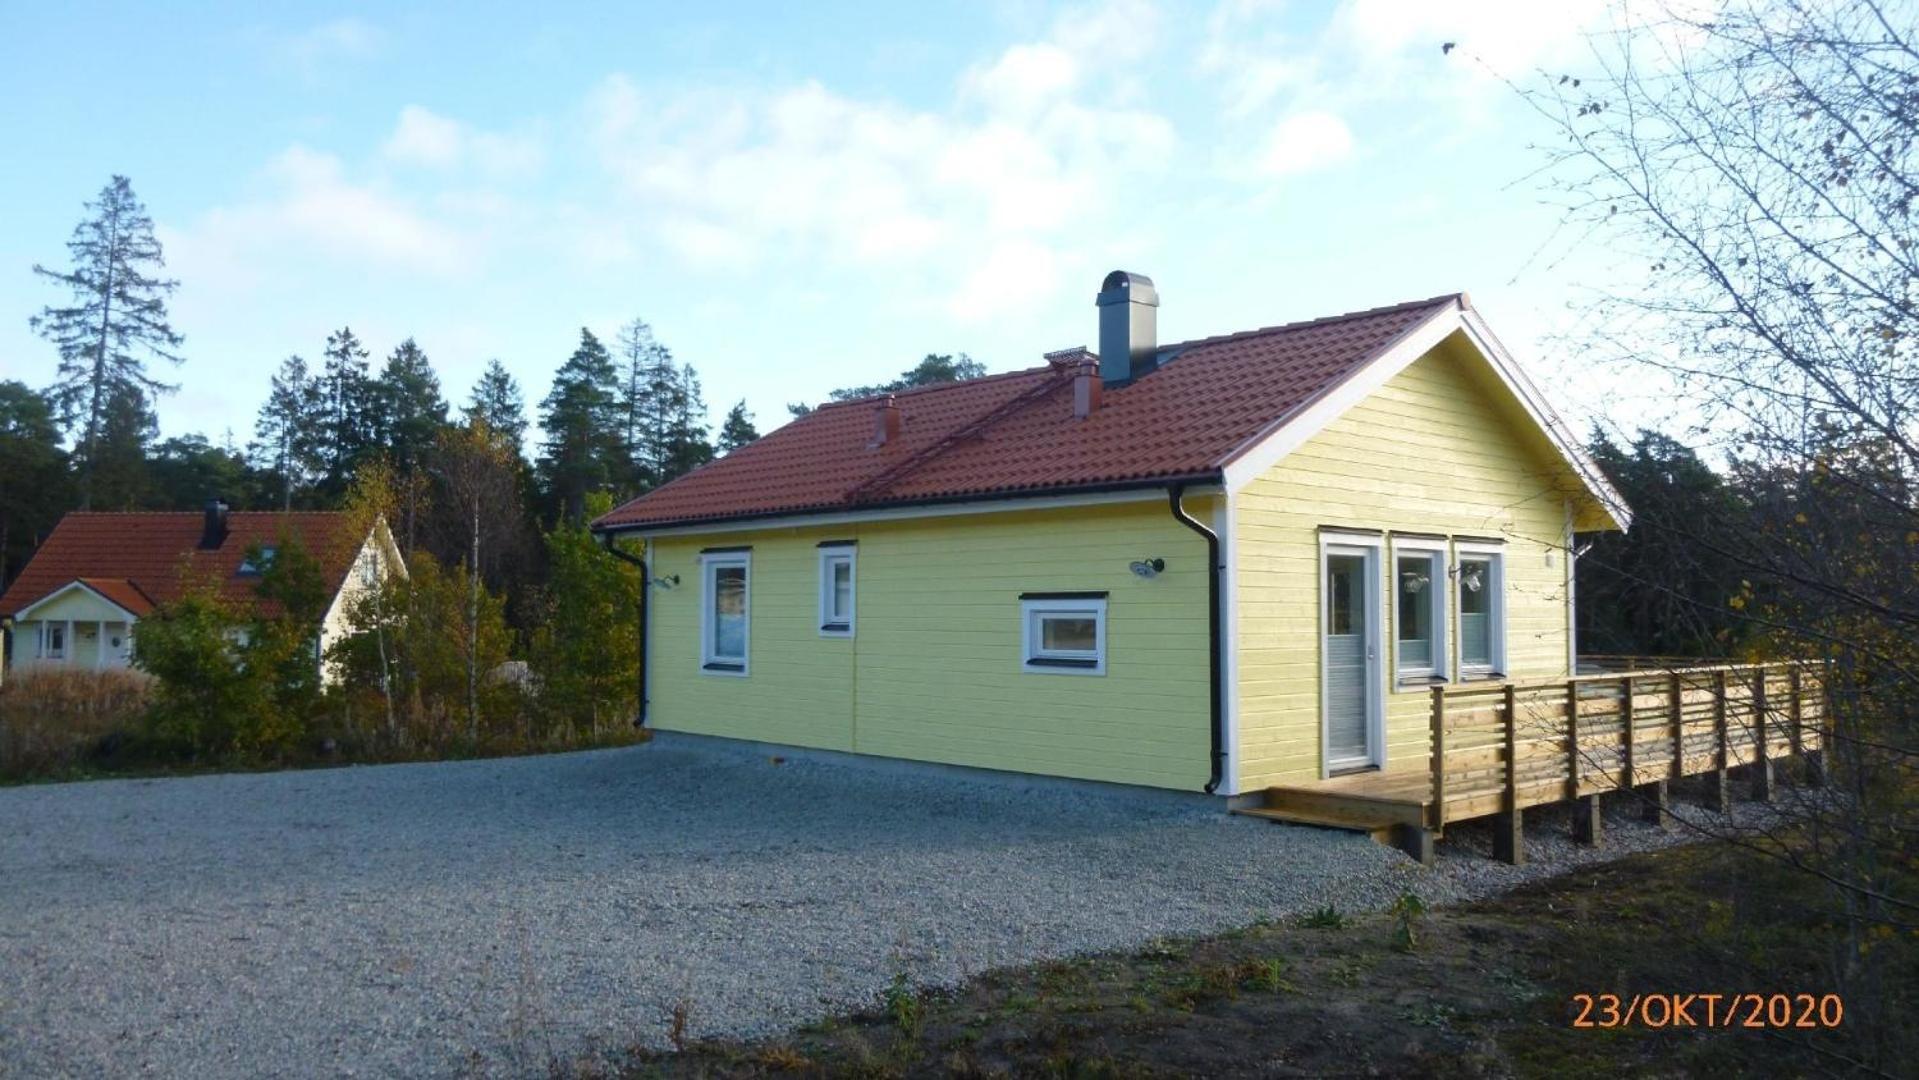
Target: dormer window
<point x="256" y="562"/>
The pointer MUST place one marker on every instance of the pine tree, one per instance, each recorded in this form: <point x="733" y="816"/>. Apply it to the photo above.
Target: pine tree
<point x="118" y="318"/>
<point x="343" y="390"/>
<point x="406" y="410"/>
<point x="127" y="428"/>
<point x="497" y="400"/>
<point x="287" y="431"/>
<point x="581" y="419"/>
<point x="649" y="405"/>
<point x="686" y="446"/>
<point x="33" y="474"/>
<point x="738" y="430"/>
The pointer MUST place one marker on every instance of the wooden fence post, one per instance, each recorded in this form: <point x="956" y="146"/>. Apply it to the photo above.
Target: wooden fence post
<point x="1762" y="778"/>
<point x="1508" y="825"/>
<point x="1676" y="706"/>
<point x="1719" y="790"/>
<point x="1586" y="821"/>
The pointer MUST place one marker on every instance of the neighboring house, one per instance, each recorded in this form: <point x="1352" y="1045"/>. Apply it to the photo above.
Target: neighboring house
<point x="1221" y="564"/>
<point x="78" y="603"/>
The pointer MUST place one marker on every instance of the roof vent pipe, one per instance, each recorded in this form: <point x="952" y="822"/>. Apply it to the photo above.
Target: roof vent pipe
<point x="886" y="424"/>
<point x="1128" y="327"/>
<point x="1086" y="389"/>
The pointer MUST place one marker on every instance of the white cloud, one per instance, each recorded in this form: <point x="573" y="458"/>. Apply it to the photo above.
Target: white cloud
<point x="348" y="38"/>
<point x="312" y="207"/>
<point x="425" y="138"/>
<point x="1304" y="142"/>
<point x="991" y="188"/>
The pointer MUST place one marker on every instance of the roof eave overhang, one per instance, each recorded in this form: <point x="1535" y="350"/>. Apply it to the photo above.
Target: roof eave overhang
<point x="938" y="506"/>
<point x="26" y="610"/>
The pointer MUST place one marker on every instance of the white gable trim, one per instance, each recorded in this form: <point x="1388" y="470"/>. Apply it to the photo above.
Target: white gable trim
<point x="1549" y="421"/>
<point x="1291" y="431"/>
<point x="25" y="614"/>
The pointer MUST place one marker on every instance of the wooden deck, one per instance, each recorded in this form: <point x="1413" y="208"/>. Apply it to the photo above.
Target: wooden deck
<point x="1497" y="748"/>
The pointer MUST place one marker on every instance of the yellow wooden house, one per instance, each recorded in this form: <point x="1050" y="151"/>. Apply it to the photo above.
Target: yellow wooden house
<point x="1214" y="565"/>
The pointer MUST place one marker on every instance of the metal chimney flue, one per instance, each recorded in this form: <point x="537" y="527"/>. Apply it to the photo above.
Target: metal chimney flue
<point x="1128" y="327"/>
<point x="213" y="525"/>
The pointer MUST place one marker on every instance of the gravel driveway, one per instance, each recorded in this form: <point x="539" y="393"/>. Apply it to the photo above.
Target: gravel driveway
<point x="485" y="916"/>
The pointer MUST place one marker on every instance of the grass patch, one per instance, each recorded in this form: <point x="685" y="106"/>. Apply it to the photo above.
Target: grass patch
<point x="1485" y="989"/>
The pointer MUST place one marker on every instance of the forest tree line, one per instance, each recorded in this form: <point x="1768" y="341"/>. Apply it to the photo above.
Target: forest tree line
<point x="619" y="419"/>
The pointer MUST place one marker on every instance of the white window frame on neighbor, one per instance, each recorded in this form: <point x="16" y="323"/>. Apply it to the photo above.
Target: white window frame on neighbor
<point x="1035" y="658"/>
<point x="1494" y="554"/>
<point x="710" y="564"/>
<point x="1439" y="596"/>
<point x="838" y="624"/>
<point x="48" y="649"/>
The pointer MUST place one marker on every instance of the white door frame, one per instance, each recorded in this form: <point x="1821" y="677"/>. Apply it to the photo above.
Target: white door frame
<point x="1368" y="547"/>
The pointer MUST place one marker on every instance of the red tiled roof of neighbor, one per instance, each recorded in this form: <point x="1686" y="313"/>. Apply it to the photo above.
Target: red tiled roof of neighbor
<point x="139" y="560"/>
<point x="1015" y="434"/>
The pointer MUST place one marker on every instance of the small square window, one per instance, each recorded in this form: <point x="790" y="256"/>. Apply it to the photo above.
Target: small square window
<point x="836" y="590"/>
<point x="1064" y="636"/>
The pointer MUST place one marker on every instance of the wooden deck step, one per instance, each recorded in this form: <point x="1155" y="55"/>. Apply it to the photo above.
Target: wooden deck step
<point x="1347" y="802"/>
<point x="1378" y="827"/>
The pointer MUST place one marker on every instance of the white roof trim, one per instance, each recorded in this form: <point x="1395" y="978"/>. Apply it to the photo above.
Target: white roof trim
<point x="23" y="613"/>
<point x="1286" y="434"/>
<point x="1002" y="505"/>
<point x="1289" y="432"/>
<point x="1549" y="421"/>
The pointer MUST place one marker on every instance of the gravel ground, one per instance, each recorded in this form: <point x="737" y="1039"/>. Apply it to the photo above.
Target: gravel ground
<point x="491" y="916"/>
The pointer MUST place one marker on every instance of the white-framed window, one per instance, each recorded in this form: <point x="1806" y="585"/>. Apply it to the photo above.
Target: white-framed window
<point x="725" y="611"/>
<point x="836" y="589"/>
<point x="1479" y="577"/>
<point x="1063" y="633"/>
<point x="1420" y="645"/>
<point x="250" y="566"/>
<point x="55" y="636"/>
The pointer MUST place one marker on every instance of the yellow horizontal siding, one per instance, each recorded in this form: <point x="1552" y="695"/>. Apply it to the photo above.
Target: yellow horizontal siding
<point x="933" y="672"/>
<point x="1435" y="450"/>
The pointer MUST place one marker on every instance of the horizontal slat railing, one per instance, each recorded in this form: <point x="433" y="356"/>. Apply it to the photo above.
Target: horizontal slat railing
<point x="1506" y="746"/>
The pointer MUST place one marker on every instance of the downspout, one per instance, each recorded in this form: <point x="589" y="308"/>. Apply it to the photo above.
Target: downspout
<point x="1173" y="494"/>
<point x="646" y="586"/>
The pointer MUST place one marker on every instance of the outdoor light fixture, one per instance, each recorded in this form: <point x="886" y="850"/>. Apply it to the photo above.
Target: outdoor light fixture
<point x="667" y="582"/>
<point x="1148" y="567"/>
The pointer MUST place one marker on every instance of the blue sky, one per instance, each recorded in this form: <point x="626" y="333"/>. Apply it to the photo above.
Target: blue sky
<point x="796" y="196"/>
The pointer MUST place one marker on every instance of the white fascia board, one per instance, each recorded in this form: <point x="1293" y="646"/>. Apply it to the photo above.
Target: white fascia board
<point x="1550" y="422"/>
<point x="900" y="513"/>
<point x="1288" y="433"/>
<point x="26" y="612"/>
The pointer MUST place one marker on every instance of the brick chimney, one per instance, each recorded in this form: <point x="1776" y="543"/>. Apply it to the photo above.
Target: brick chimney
<point x="886" y="422"/>
<point x="1088" y="388"/>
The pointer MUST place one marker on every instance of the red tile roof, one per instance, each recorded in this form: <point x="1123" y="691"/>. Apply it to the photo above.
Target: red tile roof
<point x="1014" y="434"/>
<point x="140" y="560"/>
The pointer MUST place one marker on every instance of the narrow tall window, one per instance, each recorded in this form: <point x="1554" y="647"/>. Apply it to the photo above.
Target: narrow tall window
<point x="724" y="613"/>
<point x="56" y="641"/>
<point x="1419" y="614"/>
<point x="836" y="590"/>
<point x="1482" y="633"/>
